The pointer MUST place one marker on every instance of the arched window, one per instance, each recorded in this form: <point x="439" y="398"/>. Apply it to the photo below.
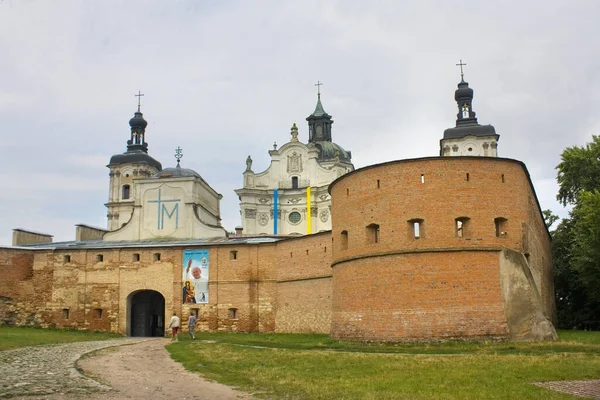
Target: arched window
<point x="294" y="182"/>
<point x="372" y="234"/>
<point x="344" y="240"/>
<point x="126" y="192"/>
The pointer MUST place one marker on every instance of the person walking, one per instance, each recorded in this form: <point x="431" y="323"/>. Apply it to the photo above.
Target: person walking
<point x="192" y="325"/>
<point x="174" y="325"/>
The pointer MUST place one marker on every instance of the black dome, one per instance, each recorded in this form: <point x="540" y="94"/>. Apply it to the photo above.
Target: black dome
<point x="139" y="157"/>
<point x="464" y="92"/>
<point x="138" y="121"/>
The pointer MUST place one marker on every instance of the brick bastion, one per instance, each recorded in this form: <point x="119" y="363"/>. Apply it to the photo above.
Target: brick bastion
<point x="440" y="248"/>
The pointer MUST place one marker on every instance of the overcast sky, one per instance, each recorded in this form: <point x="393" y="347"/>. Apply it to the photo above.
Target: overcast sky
<point x="225" y="79"/>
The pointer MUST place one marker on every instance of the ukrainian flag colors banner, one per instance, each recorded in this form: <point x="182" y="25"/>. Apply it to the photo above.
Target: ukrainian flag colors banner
<point x="308" y="218"/>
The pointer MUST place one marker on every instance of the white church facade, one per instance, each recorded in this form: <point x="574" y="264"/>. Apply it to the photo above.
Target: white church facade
<point x="291" y="196"/>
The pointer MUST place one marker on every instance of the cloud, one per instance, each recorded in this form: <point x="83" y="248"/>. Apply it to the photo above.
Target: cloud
<point x="227" y="79"/>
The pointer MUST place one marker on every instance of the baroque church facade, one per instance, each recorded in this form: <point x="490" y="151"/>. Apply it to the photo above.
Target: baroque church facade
<point x="291" y="196"/>
<point x="453" y="246"/>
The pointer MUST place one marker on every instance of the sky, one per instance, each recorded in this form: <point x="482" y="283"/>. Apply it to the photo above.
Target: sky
<point x="226" y="79"/>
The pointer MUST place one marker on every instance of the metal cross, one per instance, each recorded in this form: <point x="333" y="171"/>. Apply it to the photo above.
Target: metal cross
<point x="139" y="96"/>
<point x="178" y="154"/>
<point x="318" y="85"/>
<point x="461" y="70"/>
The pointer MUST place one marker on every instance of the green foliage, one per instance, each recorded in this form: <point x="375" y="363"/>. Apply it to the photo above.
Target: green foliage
<point x="549" y="218"/>
<point x="579" y="171"/>
<point x="317" y="367"/>
<point x="576" y="241"/>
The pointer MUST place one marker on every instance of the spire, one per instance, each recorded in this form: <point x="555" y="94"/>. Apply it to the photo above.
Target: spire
<point x="464" y="99"/>
<point x="319" y="111"/>
<point x="458" y="141"/>
<point x="138" y="125"/>
<point x="319" y="122"/>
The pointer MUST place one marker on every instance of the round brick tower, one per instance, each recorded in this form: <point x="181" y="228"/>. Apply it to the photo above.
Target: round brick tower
<point x="423" y="247"/>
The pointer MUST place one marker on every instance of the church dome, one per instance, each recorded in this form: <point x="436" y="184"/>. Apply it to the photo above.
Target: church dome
<point x="134" y="157"/>
<point x="176" y="172"/>
<point x="464" y="92"/>
<point x="329" y="150"/>
<point x="138" y="121"/>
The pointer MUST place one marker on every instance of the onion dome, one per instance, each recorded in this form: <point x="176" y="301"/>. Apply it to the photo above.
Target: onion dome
<point x="138" y="121"/>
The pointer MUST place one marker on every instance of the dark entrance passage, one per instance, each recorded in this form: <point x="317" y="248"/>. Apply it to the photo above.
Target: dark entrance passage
<point x="146" y="314"/>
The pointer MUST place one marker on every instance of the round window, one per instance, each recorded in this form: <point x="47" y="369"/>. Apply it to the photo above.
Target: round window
<point x="295" y="217"/>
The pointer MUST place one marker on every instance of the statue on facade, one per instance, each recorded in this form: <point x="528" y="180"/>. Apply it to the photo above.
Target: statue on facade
<point x="249" y="163"/>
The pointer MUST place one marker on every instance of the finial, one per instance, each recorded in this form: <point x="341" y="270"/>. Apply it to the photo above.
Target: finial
<point x="139" y="96"/>
<point x="461" y="69"/>
<point x="294" y="133"/>
<point x="318" y="85"/>
<point x="274" y="145"/>
<point x="178" y="154"/>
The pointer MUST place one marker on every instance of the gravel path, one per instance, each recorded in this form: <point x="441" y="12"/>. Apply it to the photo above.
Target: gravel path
<point x="142" y="370"/>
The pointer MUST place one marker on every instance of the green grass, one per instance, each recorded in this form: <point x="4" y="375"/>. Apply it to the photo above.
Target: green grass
<point x="14" y="337"/>
<point x="286" y="366"/>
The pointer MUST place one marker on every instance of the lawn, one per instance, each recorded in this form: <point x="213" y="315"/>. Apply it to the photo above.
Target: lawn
<point x="289" y="366"/>
<point x="14" y="337"/>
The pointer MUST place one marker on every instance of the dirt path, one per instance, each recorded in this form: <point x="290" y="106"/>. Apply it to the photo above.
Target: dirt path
<point x="145" y="371"/>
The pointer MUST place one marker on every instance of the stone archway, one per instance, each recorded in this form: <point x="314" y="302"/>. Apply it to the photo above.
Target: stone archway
<point x="146" y="314"/>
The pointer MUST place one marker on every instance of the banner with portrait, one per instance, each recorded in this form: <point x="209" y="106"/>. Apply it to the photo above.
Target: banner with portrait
<point x="195" y="276"/>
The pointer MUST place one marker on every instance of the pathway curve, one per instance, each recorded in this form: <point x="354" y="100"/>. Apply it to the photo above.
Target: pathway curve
<point x="142" y="370"/>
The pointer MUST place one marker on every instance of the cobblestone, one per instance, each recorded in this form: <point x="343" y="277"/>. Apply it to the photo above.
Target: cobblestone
<point x="588" y="389"/>
<point x="42" y="370"/>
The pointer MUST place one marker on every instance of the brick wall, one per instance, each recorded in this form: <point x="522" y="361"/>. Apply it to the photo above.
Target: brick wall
<point x="436" y="192"/>
<point x="304" y="284"/>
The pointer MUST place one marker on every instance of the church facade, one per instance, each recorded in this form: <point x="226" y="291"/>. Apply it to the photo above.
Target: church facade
<point x="290" y="197"/>
<point x="431" y="248"/>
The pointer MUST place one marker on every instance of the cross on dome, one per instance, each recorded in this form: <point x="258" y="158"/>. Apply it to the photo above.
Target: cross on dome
<point x="139" y="96"/>
<point x="461" y="64"/>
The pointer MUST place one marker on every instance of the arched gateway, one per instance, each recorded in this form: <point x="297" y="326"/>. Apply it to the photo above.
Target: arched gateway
<point x="146" y="314"/>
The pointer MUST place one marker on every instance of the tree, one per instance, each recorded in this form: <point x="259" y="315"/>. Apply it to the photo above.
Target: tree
<point x="549" y="218"/>
<point x="576" y="240"/>
<point x="579" y="171"/>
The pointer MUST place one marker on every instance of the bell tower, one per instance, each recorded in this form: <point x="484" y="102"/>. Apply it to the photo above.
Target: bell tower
<point x="125" y="168"/>
<point x="468" y="137"/>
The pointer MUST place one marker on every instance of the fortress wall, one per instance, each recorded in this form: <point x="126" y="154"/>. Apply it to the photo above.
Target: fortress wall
<point x="304" y="291"/>
<point x="245" y="283"/>
<point x="16" y="287"/>
<point x="419" y="296"/>
<point x="435" y="192"/>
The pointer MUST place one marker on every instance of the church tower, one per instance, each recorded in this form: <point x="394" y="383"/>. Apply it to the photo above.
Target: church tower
<point x="319" y="135"/>
<point x="124" y="168"/>
<point x="468" y="138"/>
<point x="290" y="197"/>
